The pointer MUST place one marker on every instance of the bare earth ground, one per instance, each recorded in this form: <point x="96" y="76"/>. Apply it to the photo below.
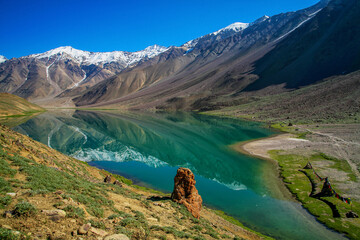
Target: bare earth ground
<point x="339" y="141"/>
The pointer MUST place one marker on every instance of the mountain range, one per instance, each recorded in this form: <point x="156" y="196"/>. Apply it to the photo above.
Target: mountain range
<point x="231" y="66"/>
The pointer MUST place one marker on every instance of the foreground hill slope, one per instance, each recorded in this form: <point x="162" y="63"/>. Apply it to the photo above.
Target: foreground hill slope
<point x="47" y="195"/>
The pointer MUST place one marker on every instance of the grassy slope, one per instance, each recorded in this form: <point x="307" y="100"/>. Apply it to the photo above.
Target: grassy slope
<point x="15" y="110"/>
<point x="36" y="172"/>
<point x="11" y="105"/>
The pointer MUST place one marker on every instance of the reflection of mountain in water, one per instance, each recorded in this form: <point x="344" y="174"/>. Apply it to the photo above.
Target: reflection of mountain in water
<point x="179" y="139"/>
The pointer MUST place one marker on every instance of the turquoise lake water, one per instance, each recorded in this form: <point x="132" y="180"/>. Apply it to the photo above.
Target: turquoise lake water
<point x="148" y="148"/>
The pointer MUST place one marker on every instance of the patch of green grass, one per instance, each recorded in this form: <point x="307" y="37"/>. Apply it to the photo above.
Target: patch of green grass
<point x="5" y="186"/>
<point x="97" y="224"/>
<point x="171" y="230"/>
<point x="74" y="212"/>
<point x="299" y="183"/>
<point x="145" y="189"/>
<point x="5" y="169"/>
<point x="5" y="201"/>
<point x="6" y="234"/>
<point x="197" y="227"/>
<point x="24" y="209"/>
<point x="95" y="211"/>
<point x="123" y="230"/>
<point x="122" y="214"/>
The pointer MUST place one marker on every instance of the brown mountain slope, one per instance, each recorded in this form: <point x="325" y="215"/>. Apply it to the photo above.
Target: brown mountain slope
<point x="214" y="67"/>
<point x="336" y="99"/>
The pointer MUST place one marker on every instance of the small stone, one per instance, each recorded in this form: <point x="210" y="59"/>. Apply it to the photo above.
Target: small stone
<point x="118" y="183"/>
<point x="55" y="218"/>
<point x="59" y="192"/>
<point x="98" y="232"/>
<point x="11" y="194"/>
<point x="57" y="235"/>
<point x="117" y="237"/>
<point x="152" y="219"/>
<point x="8" y="214"/>
<point x="54" y="212"/>
<point x="159" y="204"/>
<point x="6" y="227"/>
<point x="84" y="229"/>
<point x="107" y="179"/>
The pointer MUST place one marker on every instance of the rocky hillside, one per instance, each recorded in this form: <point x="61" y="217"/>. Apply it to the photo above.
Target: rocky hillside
<point x="47" y="195"/>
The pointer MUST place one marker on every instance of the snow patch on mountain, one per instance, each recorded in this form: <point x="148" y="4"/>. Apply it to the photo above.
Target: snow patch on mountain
<point x="2" y="59"/>
<point x="97" y="58"/>
<point x="236" y="27"/>
<point x="232" y="28"/>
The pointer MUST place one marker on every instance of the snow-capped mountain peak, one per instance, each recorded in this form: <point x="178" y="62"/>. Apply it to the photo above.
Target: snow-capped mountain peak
<point x="236" y="27"/>
<point x="2" y="59"/>
<point x="222" y="33"/>
<point x="97" y="58"/>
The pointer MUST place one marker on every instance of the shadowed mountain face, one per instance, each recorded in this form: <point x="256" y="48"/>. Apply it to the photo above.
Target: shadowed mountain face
<point x="325" y="46"/>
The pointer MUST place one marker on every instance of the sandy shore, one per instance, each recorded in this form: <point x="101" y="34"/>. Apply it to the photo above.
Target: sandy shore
<point x="340" y="141"/>
<point x="260" y="148"/>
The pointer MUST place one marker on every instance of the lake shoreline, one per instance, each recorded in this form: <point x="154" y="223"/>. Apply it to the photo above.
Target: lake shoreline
<point x="263" y="149"/>
<point x="177" y="123"/>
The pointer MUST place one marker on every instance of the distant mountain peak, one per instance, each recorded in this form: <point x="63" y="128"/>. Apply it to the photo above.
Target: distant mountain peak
<point x="2" y="59"/>
<point x="97" y="58"/>
<point x="236" y="27"/>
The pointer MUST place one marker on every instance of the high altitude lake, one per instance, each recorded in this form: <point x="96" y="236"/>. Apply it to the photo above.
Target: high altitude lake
<point x="148" y="148"/>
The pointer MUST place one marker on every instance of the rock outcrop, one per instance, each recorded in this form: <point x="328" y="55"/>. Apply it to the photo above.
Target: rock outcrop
<point x="107" y="179"/>
<point x="351" y="214"/>
<point x="185" y="191"/>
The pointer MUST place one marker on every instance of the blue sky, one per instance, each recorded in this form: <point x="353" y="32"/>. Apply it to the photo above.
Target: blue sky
<point x="34" y="26"/>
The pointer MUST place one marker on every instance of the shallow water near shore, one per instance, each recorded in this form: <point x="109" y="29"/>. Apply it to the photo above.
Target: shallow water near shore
<point x="148" y="148"/>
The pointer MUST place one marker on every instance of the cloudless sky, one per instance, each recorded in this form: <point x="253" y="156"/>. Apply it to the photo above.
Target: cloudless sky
<point x="35" y="26"/>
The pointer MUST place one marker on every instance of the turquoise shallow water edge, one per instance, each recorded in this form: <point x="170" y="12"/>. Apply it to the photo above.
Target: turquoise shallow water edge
<point x="148" y="148"/>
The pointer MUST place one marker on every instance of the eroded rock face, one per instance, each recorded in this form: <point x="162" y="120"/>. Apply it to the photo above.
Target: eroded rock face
<point x="185" y="191"/>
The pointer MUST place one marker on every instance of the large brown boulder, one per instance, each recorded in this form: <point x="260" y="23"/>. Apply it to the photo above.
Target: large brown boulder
<point x="185" y="191"/>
